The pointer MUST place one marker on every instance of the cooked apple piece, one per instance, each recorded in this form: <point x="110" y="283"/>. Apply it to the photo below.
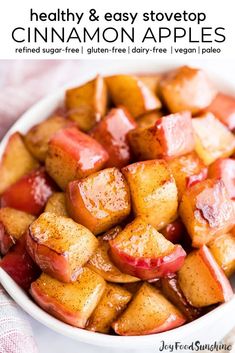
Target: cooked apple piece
<point x="224" y="168"/>
<point x="148" y="119"/>
<point x="73" y="155"/>
<point x="19" y="265"/>
<point x="207" y="211"/>
<point x="223" y="107"/>
<point x="38" y="137"/>
<point x="16" y="162"/>
<point x="152" y="81"/>
<point x="56" y="204"/>
<point x="112" y="303"/>
<point x="174" y="231"/>
<point x="141" y="251"/>
<point x="187" y="88"/>
<point x="130" y="92"/>
<point x="101" y="263"/>
<point x="165" y="138"/>
<point x="172" y="291"/>
<point x="213" y="140"/>
<point x="202" y="280"/>
<point x="153" y="191"/>
<point x="30" y="193"/>
<point x="60" y="246"/>
<point x="72" y="303"/>
<point x="187" y="170"/>
<point x="111" y="133"/>
<point x="87" y="104"/>
<point x="149" y="312"/>
<point x="223" y="250"/>
<point x="13" y="224"/>
<point x="99" y="201"/>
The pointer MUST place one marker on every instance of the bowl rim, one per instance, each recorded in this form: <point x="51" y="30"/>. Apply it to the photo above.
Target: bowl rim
<point x="40" y="111"/>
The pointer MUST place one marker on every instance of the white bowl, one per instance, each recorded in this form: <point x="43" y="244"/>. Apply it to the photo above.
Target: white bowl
<point x="209" y="328"/>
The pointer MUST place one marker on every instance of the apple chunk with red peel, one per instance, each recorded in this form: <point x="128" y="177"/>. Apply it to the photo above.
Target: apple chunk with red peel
<point x="186" y="88"/>
<point x="187" y="170"/>
<point x="202" y="280"/>
<point x="153" y="191"/>
<point x="207" y="211"/>
<point x="16" y="162"/>
<point x="213" y="140"/>
<point x="60" y="246"/>
<point x="164" y="139"/>
<point x="99" y="201"/>
<point x="73" y="155"/>
<point x="111" y="133"/>
<point x="87" y="104"/>
<point x="30" y="193"/>
<point x="38" y="137"/>
<point x="13" y="224"/>
<point x="101" y="262"/>
<point x="19" y="265"/>
<point x="171" y="289"/>
<point x="149" y="312"/>
<point x="72" y="303"/>
<point x="141" y="251"/>
<point x="223" y="107"/>
<point x="131" y="92"/>
<point x="223" y="250"/>
<point x="224" y="169"/>
<point x="112" y="303"/>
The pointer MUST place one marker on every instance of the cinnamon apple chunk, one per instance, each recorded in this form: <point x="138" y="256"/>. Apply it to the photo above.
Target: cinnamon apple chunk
<point x="56" y="204"/>
<point x="99" y="201"/>
<point x="149" y="312"/>
<point x="111" y="305"/>
<point x="72" y="303"/>
<point x="13" y="224"/>
<point x="111" y="133"/>
<point x="172" y="291"/>
<point x="141" y="251"/>
<point x="207" y="211"/>
<point x="16" y="162"/>
<point x="132" y="93"/>
<point x="73" y="155"/>
<point x="223" y="107"/>
<point x="101" y="262"/>
<point x="60" y="246"/>
<point x="223" y="250"/>
<point x="87" y="104"/>
<point x="187" y="170"/>
<point x="224" y="168"/>
<point x="165" y="138"/>
<point x="38" y="137"/>
<point x="187" y="88"/>
<point x="202" y="280"/>
<point x="153" y="191"/>
<point x="30" y="193"/>
<point x="213" y="140"/>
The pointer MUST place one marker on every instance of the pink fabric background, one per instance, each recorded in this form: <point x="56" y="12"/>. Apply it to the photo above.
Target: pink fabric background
<point x="22" y="83"/>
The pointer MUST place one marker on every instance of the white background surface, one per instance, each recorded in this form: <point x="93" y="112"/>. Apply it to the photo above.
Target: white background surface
<point x="51" y="342"/>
